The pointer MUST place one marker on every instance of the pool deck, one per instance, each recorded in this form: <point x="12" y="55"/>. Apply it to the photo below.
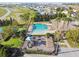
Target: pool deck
<point x="50" y="29"/>
<point x="48" y="46"/>
<point x="52" y="26"/>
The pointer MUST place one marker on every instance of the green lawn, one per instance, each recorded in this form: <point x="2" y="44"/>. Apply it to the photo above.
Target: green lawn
<point x="21" y="29"/>
<point x="17" y="11"/>
<point x="2" y="11"/>
<point x="13" y="42"/>
<point x="16" y="14"/>
<point x="4" y="27"/>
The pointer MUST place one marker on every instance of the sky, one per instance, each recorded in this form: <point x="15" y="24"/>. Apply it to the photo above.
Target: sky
<point x="39" y="0"/>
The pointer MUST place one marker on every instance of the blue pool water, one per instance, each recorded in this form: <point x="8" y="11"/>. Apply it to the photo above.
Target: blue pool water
<point x="39" y="28"/>
<point x="1" y="30"/>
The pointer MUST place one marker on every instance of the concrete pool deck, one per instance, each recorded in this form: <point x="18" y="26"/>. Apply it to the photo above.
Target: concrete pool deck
<point x="45" y="44"/>
<point x="49" y="30"/>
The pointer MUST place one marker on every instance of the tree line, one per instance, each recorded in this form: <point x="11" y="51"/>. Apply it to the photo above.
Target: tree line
<point x="6" y="22"/>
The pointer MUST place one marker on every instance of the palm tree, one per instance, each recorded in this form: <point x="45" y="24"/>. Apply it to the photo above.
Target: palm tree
<point x="59" y="16"/>
<point x="29" y="16"/>
<point x="71" y="18"/>
<point x="58" y="20"/>
<point x="66" y="20"/>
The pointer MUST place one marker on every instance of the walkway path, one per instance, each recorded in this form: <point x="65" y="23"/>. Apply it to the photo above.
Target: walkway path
<point x="66" y="42"/>
<point x="24" y="45"/>
<point x="36" y="55"/>
<point x="69" y="52"/>
<point x="49" y="42"/>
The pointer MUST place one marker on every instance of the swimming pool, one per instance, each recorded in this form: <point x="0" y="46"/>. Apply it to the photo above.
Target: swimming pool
<point x="1" y="30"/>
<point x="39" y="28"/>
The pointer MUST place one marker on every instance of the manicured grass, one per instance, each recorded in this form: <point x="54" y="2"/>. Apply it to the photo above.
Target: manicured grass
<point x="28" y="51"/>
<point x="71" y="43"/>
<point x="13" y="42"/>
<point x="4" y="27"/>
<point x="21" y="29"/>
<point x="2" y="11"/>
<point x="17" y="11"/>
<point x="72" y="37"/>
<point x="16" y="14"/>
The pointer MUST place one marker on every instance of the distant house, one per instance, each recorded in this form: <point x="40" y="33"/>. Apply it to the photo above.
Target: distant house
<point x="73" y="14"/>
<point x="54" y="11"/>
<point x="74" y="10"/>
<point x="65" y="12"/>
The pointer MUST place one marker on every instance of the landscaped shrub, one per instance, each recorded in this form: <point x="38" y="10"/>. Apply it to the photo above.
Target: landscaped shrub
<point x="57" y="36"/>
<point x="3" y="52"/>
<point x="73" y="37"/>
<point x="13" y="42"/>
<point x="37" y="52"/>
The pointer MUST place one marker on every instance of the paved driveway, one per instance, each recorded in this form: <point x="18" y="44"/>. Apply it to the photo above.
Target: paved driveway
<point x="69" y="52"/>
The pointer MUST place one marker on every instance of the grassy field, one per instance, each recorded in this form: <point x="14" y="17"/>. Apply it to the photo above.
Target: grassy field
<point x="13" y="42"/>
<point x="17" y="11"/>
<point x="2" y="11"/>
